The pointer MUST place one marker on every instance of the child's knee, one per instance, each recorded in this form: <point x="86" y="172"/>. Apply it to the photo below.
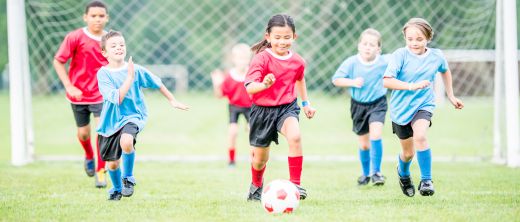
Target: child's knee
<point x="112" y="165"/>
<point x="127" y="143"/>
<point x="294" y="139"/>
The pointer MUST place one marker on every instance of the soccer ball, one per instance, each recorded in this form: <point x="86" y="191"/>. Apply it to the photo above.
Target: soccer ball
<point x="280" y="196"/>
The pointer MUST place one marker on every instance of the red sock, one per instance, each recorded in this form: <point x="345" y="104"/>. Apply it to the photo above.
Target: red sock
<point x="87" y="146"/>
<point x="295" y="169"/>
<point x="258" y="176"/>
<point x="101" y="163"/>
<point x="231" y="154"/>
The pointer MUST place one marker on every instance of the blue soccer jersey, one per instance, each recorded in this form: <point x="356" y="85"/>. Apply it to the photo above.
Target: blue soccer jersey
<point x="409" y="67"/>
<point x="372" y="74"/>
<point x="132" y="109"/>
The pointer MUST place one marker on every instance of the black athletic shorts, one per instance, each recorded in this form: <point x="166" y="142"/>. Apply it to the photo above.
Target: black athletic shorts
<point x="363" y="114"/>
<point x="235" y="111"/>
<point x="82" y="112"/>
<point x="110" y="147"/>
<point x="267" y="121"/>
<point x="406" y="131"/>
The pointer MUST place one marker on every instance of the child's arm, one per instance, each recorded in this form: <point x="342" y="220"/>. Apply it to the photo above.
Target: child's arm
<point x="256" y="87"/>
<point x="217" y="80"/>
<point x="448" y="85"/>
<point x="395" y="84"/>
<point x="171" y="99"/>
<point x="128" y="81"/>
<point x="64" y="77"/>
<point x="346" y="82"/>
<point x="301" y="88"/>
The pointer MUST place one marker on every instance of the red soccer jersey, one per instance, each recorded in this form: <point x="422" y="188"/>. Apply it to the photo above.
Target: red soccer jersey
<point x="85" y="50"/>
<point x="233" y="88"/>
<point x="286" y="69"/>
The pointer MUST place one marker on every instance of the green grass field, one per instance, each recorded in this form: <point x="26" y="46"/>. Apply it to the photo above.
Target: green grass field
<point x="210" y="191"/>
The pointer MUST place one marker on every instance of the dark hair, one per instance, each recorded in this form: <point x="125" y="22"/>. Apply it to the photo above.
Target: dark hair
<point x="422" y="25"/>
<point x="279" y="20"/>
<point x="94" y="4"/>
<point x="107" y="36"/>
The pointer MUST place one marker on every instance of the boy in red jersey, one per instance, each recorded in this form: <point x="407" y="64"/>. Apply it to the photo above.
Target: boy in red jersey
<point x="82" y="46"/>
<point x="231" y="86"/>
<point x="274" y="77"/>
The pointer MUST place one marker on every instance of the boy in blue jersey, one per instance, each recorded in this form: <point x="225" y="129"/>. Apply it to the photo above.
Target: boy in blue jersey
<point x="124" y="112"/>
<point x="363" y="73"/>
<point x="409" y="73"/>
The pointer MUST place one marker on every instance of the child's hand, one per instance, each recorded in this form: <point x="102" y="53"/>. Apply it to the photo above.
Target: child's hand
<point x="358" y="82"/>
<point x="74" y="92"/>
<point x="457" y="103"/>
<point x="269" y="80"/>
<point x="131" y="71"/>
<point x="178" y="105"/>
<point x="217" y="77"/>
<point x="309" y="111"/>
<point x="420" y="85"/>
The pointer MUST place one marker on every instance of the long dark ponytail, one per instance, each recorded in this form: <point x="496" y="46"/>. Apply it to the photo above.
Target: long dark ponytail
<point x="279" y="20"/>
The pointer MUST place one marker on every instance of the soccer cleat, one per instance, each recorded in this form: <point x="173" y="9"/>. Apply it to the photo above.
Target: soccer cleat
<point x="363" y="180"/>
<point x="101" y="180"/>
<point x="426" y="188"/>
<point x="378" y="179"/>
<point x="232" y="164"/>
<point x="128" y="187"/>
<point x="89" y="167"/>
<point x="114" y="195"/>
<point x="255" y="193"/>
<point x="303" y="192"/>
<point x="406" y="185"/>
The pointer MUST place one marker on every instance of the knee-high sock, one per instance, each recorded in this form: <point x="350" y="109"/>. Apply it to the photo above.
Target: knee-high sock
<point x="100" y="162"/>
<point x="295" y="169"/>
<point x="115" y="176"/>
<point x="87" y="146"/>
<point x="425" y="163"/>
<point x="404" y="167"/>
<point x="231" y="152"/>
<point x="364" y="156"/>
<point x="258" y="176"/>
<point x="128" y="164"/>
<point x="376" y="155"/>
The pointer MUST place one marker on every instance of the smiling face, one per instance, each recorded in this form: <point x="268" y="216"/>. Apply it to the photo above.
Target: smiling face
<point x="96" y="19"/>
<point x="369" y="47"/>
<point x="115" y="49"/>
<point x="416" y="40"/>
<point x="281" y="39"/>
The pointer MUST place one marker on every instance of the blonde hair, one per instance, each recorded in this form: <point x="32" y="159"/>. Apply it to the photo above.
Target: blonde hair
<point x="373" y="32"/>
<point x="107" y="36"/>
<point x="423" y="26"/>
<point x="240" y="48"/>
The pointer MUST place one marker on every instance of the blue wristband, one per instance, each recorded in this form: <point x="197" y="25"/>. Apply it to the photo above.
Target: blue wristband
<point x="305" y="103"/>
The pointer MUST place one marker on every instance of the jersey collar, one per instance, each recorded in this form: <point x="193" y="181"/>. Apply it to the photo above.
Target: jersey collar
<point x="285" y="57"/>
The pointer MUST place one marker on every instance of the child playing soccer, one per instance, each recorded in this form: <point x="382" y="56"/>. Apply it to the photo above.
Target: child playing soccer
<point x="274" y="77"/>
<point x="82" y="47"/>
<point x="409" y="73"/>
<point x="232" y="87"/>
<point x="363" y="73"/>
<point x="124" y="112"/>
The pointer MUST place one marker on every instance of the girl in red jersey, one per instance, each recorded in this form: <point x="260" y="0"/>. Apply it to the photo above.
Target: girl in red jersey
<point x="231" y="86"/>
<point x="274" y="77"/>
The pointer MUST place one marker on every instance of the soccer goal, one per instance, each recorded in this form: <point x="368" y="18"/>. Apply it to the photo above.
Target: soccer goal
<point x="479" y="39"/>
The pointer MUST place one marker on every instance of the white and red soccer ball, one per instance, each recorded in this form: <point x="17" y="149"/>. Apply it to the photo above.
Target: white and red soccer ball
<point x="280" y="196"/>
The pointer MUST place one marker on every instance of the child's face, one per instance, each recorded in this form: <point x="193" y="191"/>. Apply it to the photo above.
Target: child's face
<point x="416" y="41"/>
<point x="241" y="58"/>
<point x="281" y="39"/>
<point x="115" y="49"/>
<point x="368" y="47"/>
<point x="96" y="19"/>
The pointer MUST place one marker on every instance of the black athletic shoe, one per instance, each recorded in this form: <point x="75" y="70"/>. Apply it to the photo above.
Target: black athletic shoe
<point x="406" y="185"/>
<point x="363" y="180"/>
<point x="426" y="188"/>
<point x="303" y="192"/>
<point x="378" y="179"/>
<point x="128" y="187"/>
<point x="232" y="164"/>
<point x="115" y="195"/>
<point x="255" y="193"/>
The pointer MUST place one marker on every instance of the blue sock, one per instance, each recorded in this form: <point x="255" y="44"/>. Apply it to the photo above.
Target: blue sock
<point x="376" y="155"/>
<point x="115" y="176"/>
<point x="425" y="163"/>
<point x="364" y="156"/>
<point x="128" y="164"/>
<point x="404" y="167"/>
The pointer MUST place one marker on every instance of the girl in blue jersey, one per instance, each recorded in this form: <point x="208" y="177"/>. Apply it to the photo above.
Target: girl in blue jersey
<point x="124" y="112"/>
<point x="363" y="73"/>
<point x="409" y="73"/>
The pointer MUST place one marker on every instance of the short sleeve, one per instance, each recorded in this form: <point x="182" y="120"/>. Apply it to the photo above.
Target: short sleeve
<point x="444" y="63"/>
<point x="66" y="49"/>
<point x="147" y="79"/>
<point x="256" y="70"/>
<point x="395" y="63"/>
<point x="106" y="87"/>
<point x="343" y="70"/>
<point x="301" y="71"/>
